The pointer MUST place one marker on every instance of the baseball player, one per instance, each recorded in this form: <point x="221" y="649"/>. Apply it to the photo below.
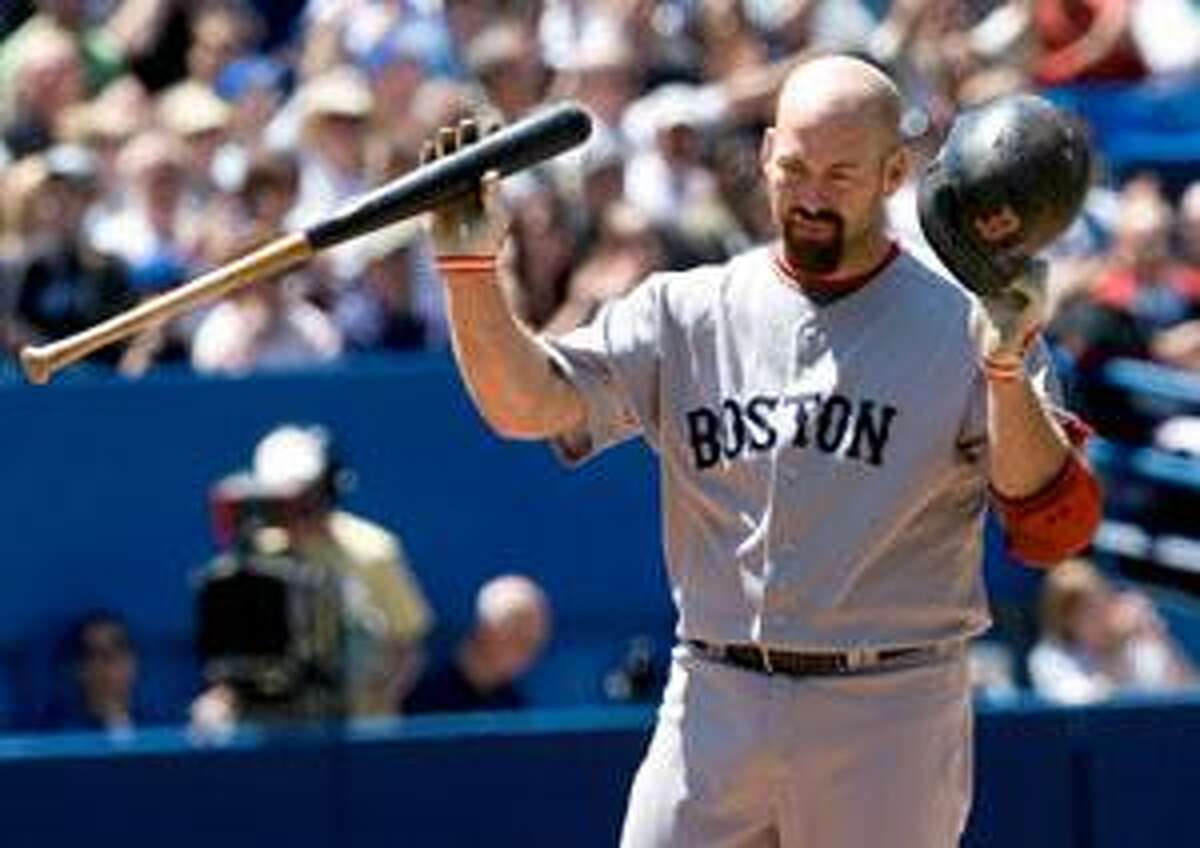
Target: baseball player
<point x="831" y="419"/>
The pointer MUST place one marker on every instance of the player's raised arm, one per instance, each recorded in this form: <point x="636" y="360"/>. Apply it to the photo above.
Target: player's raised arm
<point x="1010" y="178"/>
<point x="1048" y="498"/>
<point x="507" y="369"/>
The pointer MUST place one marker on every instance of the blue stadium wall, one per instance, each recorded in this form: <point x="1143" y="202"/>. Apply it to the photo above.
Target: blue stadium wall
<point x="1117" y="776"/>
<point x="103" y="503"/>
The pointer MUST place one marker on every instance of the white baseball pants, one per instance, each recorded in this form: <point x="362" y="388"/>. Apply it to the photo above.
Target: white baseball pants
<point x="741" y="759"/>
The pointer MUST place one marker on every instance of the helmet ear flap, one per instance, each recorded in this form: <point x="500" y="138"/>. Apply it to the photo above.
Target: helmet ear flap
<point x="1010" y="178"/>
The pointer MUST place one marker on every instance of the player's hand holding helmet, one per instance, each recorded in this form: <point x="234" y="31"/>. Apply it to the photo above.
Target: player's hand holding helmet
<point x="1010" y="178"/>
<point x="475" y="224"/>
<point x="1015" y="315"/>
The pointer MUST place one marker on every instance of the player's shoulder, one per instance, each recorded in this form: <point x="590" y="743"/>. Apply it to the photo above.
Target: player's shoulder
<point x="927" y="288"/>
<point x="363" y="539"/>
<point x="686" y="293"/>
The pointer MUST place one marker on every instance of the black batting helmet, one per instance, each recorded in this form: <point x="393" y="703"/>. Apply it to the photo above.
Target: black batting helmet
<point x="1009" y="179"/>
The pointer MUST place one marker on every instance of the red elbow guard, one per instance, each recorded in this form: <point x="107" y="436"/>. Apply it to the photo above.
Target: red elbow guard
<point x="1056" y="522"/>
<point x="1075" y="428"/>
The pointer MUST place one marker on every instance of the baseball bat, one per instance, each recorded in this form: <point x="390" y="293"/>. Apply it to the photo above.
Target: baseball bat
<point x="529" y="141"/>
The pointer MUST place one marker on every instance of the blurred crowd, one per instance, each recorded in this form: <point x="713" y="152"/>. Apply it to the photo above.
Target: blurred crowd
<point x="143" y="142"/>
<point x="146" y="141"/>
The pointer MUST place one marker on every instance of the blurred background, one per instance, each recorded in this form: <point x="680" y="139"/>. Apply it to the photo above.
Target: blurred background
<point x="268" y="575"/>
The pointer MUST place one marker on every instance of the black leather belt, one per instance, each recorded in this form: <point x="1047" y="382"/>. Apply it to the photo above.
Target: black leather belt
<point x="804" y="664"/>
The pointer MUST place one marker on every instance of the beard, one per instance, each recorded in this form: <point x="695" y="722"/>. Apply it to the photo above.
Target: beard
<point x="814" y="255"/>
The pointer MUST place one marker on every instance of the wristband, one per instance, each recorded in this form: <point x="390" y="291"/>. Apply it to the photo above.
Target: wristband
<point x="482" y="263"/>
<point x="999" y="371"/>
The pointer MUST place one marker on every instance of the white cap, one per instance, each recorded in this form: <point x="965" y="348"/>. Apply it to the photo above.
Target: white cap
<point x="291" y="458"/>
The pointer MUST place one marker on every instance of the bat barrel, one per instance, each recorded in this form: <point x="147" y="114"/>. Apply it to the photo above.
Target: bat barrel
<point x="532" y="140"/>
<point x="40" y="363"/>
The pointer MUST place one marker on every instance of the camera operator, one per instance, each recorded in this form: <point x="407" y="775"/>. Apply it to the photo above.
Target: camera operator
<point x="310" y="611"/>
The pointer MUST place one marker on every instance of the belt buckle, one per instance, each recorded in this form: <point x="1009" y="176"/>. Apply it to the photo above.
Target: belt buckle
<point x="859" y="658"/>
<point x="765" y="654"/>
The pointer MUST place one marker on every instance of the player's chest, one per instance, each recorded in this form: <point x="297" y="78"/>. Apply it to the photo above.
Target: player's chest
<point x="846" y="396"/>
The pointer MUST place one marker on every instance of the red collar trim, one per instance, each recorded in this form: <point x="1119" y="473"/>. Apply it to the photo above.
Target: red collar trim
<point x="840" y="285"/>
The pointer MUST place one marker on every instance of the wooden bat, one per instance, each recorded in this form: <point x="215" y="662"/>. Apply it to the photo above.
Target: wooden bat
<point x="521" y="145"/>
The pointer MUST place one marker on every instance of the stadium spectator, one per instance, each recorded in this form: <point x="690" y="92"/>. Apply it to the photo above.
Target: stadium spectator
<point x="379" y="310"/>
<point x="336" y="111"/>
<point x="546" y="249"/>
<point x="268" y="190"/>
<point x="1145" y="278"/>
<point x="441" y="102"/>
<point x="1189" y="226"/>
<point x="105" y="125"/>
<point x="59" y="282"/>
<point x="504" y="58"/>
<point x="1142" y="295"/>
<point x="727" y="40"/>
<point x="200" y="120"/>
<point x="254" y="88"/>
<point x="1098" y="641"/>
<point x="47" y="80"/>
<point x="221" y="31"/>
<point x="1086" y="41"/>
<point x="1179" y="345"/>
<point x="153" y="232"/>
<point x="108" y="36"/>
<point x="104" y="670"/>
<point x="269" y="326"/>
<point x="600" y="174"/>
<point x="395" y="67"/>
<point x="679" y="91"/>
<point x="336" y="107"/>
<point x="294" y="515"/>
<point x="627" y="249"/>
<point x="512" y="625"/>
<point x="603" y="73"/>
<point x="670" y="175"/>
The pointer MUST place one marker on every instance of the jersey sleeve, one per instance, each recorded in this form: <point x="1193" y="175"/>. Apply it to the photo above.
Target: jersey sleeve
<point x="614" y="361"/>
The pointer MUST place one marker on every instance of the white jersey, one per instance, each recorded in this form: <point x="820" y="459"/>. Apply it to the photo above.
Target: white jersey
<point x="823" y="466"/>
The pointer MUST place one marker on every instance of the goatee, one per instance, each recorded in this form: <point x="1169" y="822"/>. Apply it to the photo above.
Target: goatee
<point x="815" y="256"/>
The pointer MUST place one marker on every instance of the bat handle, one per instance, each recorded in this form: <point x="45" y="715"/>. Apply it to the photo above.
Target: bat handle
<point x="41" y="362"/>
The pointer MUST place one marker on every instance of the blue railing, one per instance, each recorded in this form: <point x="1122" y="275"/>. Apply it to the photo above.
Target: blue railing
<point x="1110" y="776"/>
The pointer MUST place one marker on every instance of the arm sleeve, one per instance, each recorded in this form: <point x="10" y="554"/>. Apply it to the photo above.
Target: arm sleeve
<point x="614" y="361"/>
<point x="1060" y="520"/>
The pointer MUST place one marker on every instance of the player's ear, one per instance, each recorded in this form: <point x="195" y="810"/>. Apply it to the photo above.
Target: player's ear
<point x="766" y="149"/>
<point x="895" y="169"/>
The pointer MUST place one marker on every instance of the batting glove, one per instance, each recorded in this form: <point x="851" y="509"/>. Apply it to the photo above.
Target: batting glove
<point x="476" y="224"/>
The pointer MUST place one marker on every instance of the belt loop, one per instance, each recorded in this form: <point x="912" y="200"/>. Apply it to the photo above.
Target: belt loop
<point x="765" y="653"/>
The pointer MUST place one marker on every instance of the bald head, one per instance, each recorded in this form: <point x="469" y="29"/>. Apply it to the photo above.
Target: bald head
<point x="831" y="159"/>
<point x="840" y="89"/>
<point x="513" y="616"/>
